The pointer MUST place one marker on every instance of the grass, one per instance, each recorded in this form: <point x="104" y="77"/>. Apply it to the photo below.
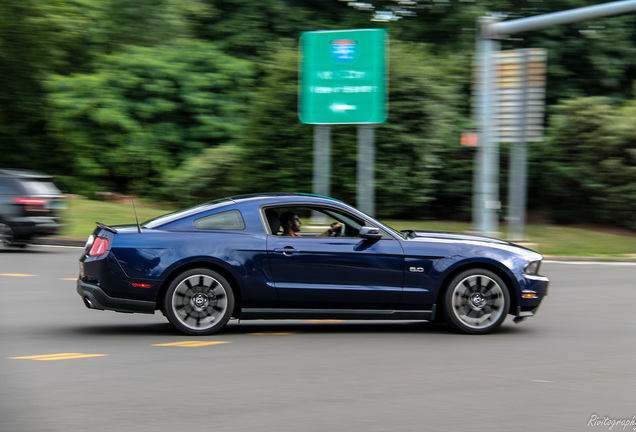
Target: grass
<point x="80" y="216"/>
<point x="551" y="240"/>
<point x="570" y="241"/>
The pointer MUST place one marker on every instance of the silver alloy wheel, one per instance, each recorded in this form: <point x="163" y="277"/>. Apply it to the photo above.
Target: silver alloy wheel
<point x="477" y="302"/>
<point x="199" y="302"/>
<point x="6" y="236"/>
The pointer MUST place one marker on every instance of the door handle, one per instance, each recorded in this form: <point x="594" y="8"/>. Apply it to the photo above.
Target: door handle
<point x="287" y="251"/>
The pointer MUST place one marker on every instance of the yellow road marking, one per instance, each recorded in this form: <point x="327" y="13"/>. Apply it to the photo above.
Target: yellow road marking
<point x="60" y="356"/>
<point x="192" y="343"/>
<point x="273" y="333"/>
<point x="71" y="279"/>
<point x="17" y="274"/>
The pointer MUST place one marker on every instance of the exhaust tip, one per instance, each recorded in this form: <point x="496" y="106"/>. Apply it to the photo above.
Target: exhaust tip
<point x="88" y="303"/>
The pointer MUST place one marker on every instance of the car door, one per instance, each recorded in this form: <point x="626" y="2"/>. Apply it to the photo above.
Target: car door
<point x="336" y="272"/>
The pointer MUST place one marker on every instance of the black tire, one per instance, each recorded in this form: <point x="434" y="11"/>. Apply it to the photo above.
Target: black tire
<point x="6" y="236"/>
<point x="199" y="302"/>
<point x="476" y="301"/>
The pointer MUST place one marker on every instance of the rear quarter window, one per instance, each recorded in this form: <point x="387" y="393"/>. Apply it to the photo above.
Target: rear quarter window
<point x="34" y="187"/>
<point x="229" y="220"/>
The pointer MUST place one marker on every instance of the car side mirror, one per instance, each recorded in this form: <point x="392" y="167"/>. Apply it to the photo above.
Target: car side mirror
<point x="370" y="233"/>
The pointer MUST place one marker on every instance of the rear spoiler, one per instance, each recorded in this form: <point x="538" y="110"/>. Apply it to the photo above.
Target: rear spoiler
<point x="106" y="227"/>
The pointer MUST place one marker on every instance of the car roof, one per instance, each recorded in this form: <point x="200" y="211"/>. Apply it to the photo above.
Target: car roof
<point x="281" y="197"/>
<point x="24" y="173"/>
<point x="258" y="199"/>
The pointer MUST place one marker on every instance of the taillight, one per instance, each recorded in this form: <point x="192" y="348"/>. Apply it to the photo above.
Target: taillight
<point x="33" y="205"/>
<point x="99" y="247"/>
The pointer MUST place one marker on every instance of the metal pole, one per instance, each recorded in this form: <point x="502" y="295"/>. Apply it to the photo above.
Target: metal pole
<point x="563" y="17"/>
<point x="366" y="169"/>
<point x="487" y="162"/>
<point x="322" y="164"/>
<point x="485" y="200"/>
<point x="322" y="159"/>
<point x="518" y="163"/>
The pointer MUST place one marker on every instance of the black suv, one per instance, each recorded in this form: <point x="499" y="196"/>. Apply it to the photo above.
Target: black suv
<point x="29" y="204"/>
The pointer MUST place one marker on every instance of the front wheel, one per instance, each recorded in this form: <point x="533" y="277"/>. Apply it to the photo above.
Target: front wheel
<point x="476" y="302"/>
<point x="199" y="302"/>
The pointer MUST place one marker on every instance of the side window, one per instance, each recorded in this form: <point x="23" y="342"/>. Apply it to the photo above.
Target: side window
<point x="312" y="221"/>
<point x="6" y="188"/>
<point x="229" y="220"/>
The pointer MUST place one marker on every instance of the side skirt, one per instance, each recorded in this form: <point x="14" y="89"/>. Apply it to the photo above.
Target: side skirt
<point x="352" y="314"/>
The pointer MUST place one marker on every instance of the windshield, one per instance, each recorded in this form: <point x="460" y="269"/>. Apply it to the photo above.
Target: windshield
<point x="383" y="225"/>
<point x="350" y="222"/>
<point x="396" y="232"/>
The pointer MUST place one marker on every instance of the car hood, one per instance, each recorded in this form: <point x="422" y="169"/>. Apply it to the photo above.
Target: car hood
<point x="479" y="242"/>
<point x="456" y="236"/>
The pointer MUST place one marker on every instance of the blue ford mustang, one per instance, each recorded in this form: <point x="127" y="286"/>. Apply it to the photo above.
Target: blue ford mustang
<point x="232" y="258"/>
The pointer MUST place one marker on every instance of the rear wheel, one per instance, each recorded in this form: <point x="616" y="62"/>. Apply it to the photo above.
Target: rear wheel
<point x="476" y="302"/>
<point x="199" y="302"/>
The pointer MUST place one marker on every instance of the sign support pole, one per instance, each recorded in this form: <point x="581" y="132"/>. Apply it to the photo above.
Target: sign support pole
<point x="322" y="162"/>
<point x="517" y="188"/>
<point x="486" y="199"/>
<point x="366" y="169"/>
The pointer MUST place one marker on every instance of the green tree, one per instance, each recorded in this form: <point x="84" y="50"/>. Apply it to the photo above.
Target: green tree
<point x="276" y="149"/>
<point x="145" y="111"/>
<point x="589" y="58"/>
<point x="590" y="169"/>
<point x="243" y="28"/>
<point x="39" y="39"/>
<point x="422" y="131"/>
<point x="207" y="176"/>
<point x="24" y="61"/>
<point x="427" y="115"/>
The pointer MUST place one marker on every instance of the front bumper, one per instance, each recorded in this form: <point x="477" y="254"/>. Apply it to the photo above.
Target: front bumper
<point x="537" y="287"/>
<point x="95" y="298"/>
<point x="522" y="315"/>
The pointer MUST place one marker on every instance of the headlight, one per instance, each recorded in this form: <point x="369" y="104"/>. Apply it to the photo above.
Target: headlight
<point x="532" y="268"/>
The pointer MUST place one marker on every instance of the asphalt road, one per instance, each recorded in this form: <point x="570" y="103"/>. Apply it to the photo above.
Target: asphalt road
<point x="103" y="371"/>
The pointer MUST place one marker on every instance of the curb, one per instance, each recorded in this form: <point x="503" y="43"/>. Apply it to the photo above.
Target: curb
<point x="58" y="242"/>
<point x="589" y="259"/>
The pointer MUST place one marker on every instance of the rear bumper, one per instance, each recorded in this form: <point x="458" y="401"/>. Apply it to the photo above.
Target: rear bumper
<point x="95" y="298"/>
<point x="27" y="227"/>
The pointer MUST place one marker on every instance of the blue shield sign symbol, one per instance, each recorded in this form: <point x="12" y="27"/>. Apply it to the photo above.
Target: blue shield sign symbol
<point x="343" y="50"/>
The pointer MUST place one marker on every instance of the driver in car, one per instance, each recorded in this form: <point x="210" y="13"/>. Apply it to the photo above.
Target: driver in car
<point x="290" y="222"/>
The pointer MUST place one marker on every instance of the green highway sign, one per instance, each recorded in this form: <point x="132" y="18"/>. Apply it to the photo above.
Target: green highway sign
<point x="343" y="77"/>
